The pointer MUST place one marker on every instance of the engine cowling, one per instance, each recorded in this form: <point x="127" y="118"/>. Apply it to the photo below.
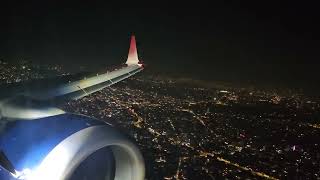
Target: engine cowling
<point x="68" y="147"/>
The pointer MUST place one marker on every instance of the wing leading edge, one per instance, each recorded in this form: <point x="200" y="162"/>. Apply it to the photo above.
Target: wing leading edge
<point x="90" y="84"/>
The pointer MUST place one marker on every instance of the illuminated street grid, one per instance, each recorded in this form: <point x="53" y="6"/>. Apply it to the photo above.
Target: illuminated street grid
<point x="189" y="132"/>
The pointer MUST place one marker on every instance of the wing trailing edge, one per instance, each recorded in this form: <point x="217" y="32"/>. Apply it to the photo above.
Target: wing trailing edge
<point x="76" y="89"/>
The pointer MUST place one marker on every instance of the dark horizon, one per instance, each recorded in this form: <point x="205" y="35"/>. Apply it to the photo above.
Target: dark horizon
<point x="274" y="43"/>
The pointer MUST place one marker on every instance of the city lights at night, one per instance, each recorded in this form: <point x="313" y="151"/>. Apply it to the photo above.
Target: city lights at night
<point x="229" y="90"/>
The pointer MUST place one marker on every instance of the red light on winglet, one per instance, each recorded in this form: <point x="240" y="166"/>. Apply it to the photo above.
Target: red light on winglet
<point x="142" y="64"/>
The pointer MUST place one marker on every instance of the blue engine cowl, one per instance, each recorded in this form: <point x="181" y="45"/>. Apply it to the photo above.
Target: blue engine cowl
<point x="66" y="147"/>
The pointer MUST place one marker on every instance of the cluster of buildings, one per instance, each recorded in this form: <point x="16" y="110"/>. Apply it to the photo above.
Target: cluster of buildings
<point x="191" y="132"/>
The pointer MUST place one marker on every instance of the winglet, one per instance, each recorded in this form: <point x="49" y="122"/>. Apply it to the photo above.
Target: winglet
<point x="133" y="54"/>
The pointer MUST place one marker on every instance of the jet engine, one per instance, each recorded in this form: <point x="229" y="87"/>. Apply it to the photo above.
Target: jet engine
<point x="66" y="147"/>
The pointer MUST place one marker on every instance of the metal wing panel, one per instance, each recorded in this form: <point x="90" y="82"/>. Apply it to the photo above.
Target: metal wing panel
<point x="85" y="86"/>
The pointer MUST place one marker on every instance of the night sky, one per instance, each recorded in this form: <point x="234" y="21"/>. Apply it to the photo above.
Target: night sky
<point x="265" y="43"/>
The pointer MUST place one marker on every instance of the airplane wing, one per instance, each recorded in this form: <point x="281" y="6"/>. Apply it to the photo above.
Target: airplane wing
<point x="74" y="88"/>
<point x="40" y="141"/>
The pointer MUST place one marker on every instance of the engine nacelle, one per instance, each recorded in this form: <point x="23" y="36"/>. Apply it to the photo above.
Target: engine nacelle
<point x="68" y="147"/>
